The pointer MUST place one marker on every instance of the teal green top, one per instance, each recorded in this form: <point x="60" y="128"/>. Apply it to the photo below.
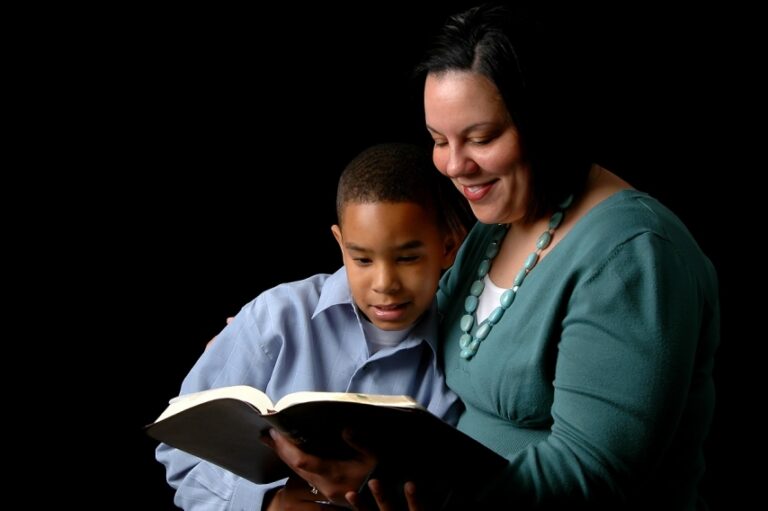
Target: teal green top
<point x="597" y="382"/>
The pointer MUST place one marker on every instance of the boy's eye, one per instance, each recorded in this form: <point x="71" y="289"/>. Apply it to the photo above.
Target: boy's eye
<point x="407" y="259"/>
<point x="363" y="261"/>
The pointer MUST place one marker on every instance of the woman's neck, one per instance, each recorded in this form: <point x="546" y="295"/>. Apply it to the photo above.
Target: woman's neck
<point x="522" y="236"/>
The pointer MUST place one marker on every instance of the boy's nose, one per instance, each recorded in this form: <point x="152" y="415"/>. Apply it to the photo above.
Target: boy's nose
<point x="386" y="280"/>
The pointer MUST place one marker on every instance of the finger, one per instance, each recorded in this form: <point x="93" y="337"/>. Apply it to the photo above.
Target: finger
<point x="213" y="339"/>
<point x="282" y="446"/>
<point x="382" y="502"/>
<point x="354" y="501"/>
<point x="377" y="490"/>
<point x="304" y="489"/>
<point x="276" y="504"/>
<point x="302" y="463"/>
<point x="358" y="503"/>
<point x="266" y="439"/>
<point x="411" y="497"/>
<point x="357" y="442"/>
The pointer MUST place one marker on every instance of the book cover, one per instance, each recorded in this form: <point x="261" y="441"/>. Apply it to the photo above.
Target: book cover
<point x="223" y="426"/>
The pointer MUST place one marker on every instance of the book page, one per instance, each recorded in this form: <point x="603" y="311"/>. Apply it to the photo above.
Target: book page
<point x="250" y="395"/>
<point x="346" y="397"/>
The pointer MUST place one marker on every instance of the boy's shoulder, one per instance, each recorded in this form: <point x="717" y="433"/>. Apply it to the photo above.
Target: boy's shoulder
<point x="312" y="292"/>
<point x="313" y="283"/>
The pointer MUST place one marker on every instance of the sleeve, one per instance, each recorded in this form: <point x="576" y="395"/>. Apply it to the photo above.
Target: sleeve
<point x="434" y="393"/>
<point x="202" y="486"/>
<point x="623" y="370"/>
<point x="243" y="353"/>
<point x="452" y="411"/>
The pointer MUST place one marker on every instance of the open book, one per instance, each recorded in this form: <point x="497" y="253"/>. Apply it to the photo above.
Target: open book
<point x="223" y="426"/>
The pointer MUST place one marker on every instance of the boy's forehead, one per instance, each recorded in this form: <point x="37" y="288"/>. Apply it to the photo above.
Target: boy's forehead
<point x="379" y="208"/>
<point x="387" y="216"/>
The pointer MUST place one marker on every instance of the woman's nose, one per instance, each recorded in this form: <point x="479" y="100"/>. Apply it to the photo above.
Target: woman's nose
<point x="459" y="163"/>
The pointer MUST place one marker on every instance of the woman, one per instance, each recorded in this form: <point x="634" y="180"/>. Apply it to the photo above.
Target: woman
<point x="580" y="316"/>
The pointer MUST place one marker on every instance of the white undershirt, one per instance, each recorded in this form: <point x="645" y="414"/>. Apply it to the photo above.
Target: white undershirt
<point x="489" y="299"/>
<point x="376" y="338"/>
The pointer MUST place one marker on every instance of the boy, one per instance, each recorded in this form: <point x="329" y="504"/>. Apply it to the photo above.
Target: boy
<point x="370" y="327"/>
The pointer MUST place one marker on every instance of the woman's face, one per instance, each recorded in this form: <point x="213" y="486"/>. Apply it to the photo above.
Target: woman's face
<point x="477" y="145"/>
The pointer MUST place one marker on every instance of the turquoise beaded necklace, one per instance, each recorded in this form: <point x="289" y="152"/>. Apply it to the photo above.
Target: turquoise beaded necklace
<point x="468" y="343"/>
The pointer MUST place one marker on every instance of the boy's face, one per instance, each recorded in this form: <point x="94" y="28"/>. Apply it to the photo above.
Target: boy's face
<point x="393" y="254"/>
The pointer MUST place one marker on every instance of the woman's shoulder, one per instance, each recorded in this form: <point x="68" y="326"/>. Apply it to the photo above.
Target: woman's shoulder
<point x="611" y="208"/>
<point x="628" y="213"/>
<point x="635" y="224"/>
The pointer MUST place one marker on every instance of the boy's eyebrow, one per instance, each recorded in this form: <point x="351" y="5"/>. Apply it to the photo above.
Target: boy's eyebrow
<point x="408" y="245"/>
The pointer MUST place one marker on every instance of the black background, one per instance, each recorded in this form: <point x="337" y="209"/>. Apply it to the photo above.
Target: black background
<point x="228" y="124"/>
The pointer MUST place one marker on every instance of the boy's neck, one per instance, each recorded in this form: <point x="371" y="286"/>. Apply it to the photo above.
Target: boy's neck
<point x="378" y="339"/>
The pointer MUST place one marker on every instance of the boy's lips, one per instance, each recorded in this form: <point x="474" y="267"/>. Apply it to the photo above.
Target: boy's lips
<point x="389" y="312"/>
<point x="388" y="306"/>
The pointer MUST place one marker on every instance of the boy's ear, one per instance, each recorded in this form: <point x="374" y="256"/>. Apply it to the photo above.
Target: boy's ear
<point x="336" y="230"/>
<point x="450" y="247"/>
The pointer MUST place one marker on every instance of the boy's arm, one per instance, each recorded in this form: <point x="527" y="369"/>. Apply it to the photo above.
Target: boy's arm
<point x="235" y="357"/>
<point x="202" y="486"/>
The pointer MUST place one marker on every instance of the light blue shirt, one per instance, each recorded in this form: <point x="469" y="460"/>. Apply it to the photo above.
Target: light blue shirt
<point x="305" y="335"/>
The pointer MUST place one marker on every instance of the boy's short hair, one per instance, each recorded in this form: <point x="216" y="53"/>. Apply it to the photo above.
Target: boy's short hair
<point x="398" y="172"/>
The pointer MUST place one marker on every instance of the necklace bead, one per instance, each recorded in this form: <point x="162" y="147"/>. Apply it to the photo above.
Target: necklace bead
<point x="468" y="343"/>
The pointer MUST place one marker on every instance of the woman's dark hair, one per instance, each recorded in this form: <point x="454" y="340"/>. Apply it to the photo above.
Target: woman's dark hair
<point x="507" y="48"/>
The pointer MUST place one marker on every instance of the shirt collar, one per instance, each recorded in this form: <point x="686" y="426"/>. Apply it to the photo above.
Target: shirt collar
<point x="335" y="292"/>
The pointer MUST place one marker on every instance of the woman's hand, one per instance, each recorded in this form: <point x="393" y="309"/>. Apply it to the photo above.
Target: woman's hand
<point x="383" y="503"/>
<point x="297" y="495"/>
<point x="331" y="477"/>
<point x="208" y="344"/>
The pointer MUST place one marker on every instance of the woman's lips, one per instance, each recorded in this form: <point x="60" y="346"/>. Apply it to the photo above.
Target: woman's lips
<point x="477" y="192"/>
